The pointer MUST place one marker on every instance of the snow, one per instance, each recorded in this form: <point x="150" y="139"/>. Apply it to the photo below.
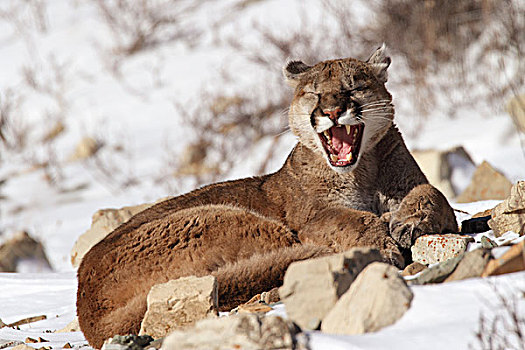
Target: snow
<point x="131" y="104"/>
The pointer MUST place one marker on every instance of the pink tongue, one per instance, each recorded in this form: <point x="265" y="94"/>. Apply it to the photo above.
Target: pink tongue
<point x="341" y="142"/>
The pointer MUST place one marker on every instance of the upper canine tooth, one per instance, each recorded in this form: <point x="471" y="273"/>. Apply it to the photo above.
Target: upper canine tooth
<point x="348" y="128"/>
<point x="349" y="157"/>
<point x="326" y="134"/>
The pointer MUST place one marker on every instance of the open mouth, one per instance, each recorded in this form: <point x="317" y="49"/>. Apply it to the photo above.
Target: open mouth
<point x="341" y="143"/>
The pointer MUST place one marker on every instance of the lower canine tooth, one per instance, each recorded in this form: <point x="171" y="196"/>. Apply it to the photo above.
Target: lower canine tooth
<point x="334" y="158"/>
<point x="349" y="157"/>
<point x="326" y="134"/>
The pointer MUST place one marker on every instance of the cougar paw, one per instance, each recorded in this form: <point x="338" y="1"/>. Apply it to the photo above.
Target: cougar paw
<point x="406" y="231"/>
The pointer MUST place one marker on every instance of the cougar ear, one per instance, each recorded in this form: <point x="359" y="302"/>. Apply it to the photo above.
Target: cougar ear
<point x="293" y="71"/>
<point x="379" y="63"/>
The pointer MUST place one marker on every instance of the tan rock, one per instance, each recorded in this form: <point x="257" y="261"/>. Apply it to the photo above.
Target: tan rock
<point x="72" y="326"/>
<point x="311" y="287"/>
<point x="86" y="148"/>
<point x="246" y="331"/>
<point x="21" y="247"/>
<point x="254" y="308"/>
<point x="377" y="298"/>
<point x="486" y="183"/>
<point x="510" y="214"/>
<point x="472" y="265"/>
<point x="179" y="303"/>
<point x="438" y="166"/>
<point x="413" y="268"/>
<point x="102" y="223"/>
<point x="512" y="261"/>
<point x="431" y="249"/>
<point x="516" y="109"/>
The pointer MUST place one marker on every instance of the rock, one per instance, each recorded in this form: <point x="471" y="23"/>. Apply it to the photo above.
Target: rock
<point x="2" y="324"/>
<point x="438" y="167"/>
<point x="487" y="212"/>
<point x="377" y="298"/>
<point x="254" y="308"/>
<point x="511" y="261"/>
<point x="475" y="225"/>
<point x="516" y="109"/>
<point x="510" y="214"/>
<point x="72" y="326"/>
<point x="179" y="303"/>
<point x="22" y="247"/>
<point x="102" y="223"/>
<point x="472" y="265"/>
<point x="86" y="148"/>
<point x="486" y="183"/>
<point x="488" y="243"/>
<point x="127" y="342"/>
<point x="413" y="268"/>
<point x="437" y="273"/>
<point x="431" y="249"/>
<point x="12" y="343"/>
<point x="311" y="287"/>
<point x="271" y="296"/>
<point x="245" y="331"/>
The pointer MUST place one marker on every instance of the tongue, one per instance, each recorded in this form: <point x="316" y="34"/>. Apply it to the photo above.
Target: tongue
<point x="341" y="142"/>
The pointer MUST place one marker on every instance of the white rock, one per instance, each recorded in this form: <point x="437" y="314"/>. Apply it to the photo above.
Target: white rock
<point x="311" y="288"/>
<point x="377" y="298"/>
<point x="179" y="303"/>
<point x="245" y="331"/>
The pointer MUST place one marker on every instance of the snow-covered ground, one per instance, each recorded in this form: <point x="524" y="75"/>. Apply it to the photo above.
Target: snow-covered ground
<point x="62" y="68"/>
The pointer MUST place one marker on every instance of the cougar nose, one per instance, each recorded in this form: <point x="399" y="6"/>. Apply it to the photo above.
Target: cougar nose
<point x="333" y="113"/>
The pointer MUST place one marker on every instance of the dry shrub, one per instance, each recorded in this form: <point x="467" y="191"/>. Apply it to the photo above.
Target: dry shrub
<point x="138" y="25"/>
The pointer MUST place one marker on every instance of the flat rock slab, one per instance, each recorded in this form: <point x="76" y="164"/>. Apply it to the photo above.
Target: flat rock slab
<point x="510" y="214"/>
<point x="179" y="303"/>
<point x="431" y="249"/>
<point x="511" y="261"/>
<point x="377" y="298"/>
<point x="246" y="331"/>
<point x="472" y="265"/>
<point x="311" y="287"/>
<point x="437" y="273"/>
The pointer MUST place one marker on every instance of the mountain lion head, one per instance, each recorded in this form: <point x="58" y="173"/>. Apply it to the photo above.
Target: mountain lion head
<point x="341" y="108"/>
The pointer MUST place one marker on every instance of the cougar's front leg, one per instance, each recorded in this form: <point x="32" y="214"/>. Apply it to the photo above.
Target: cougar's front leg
<point x="341" y="228"/>
<point x="424" y="210"/>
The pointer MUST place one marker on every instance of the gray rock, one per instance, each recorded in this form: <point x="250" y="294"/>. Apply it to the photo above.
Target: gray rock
<point x="377" y="298"/>
<point x="127" y="342"/>
<point x="488" y="243"/>
<point x="244" y="331"/>
<point x="179" y="303"/>
<point x="311" y="288"/>
<point x="431" y="249"/>
<point x="472" y="265"/>
<point x="437" y="273"/>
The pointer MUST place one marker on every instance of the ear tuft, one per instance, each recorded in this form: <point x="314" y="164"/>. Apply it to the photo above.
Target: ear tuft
<point x="293" y="71"/>
<point x="379" y="63"/>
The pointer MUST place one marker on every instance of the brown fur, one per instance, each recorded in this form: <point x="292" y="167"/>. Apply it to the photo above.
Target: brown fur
<point x="246" y="232"/>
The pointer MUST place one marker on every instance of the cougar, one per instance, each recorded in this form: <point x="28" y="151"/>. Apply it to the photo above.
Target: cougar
<point x="349" y="182"/>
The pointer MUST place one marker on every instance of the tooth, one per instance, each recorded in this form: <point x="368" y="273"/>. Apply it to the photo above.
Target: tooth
<point x="349" y="157"/>
<point x="334" y="158"/>
<point x="326" y="134"/>
<point x="348" y="128"/>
